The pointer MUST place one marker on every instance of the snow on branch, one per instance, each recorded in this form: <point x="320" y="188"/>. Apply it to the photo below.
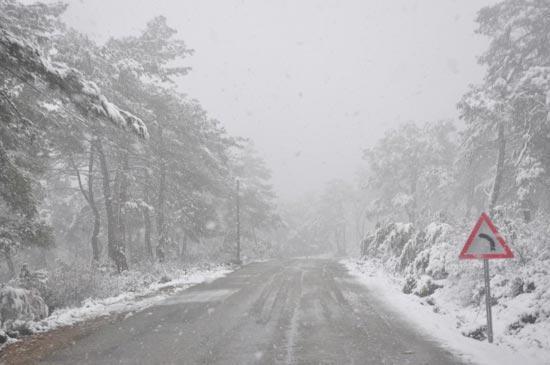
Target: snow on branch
<point x="21" y="55"/>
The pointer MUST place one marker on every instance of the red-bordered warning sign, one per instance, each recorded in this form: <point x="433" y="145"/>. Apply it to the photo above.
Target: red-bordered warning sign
<point x="485" y="242"/>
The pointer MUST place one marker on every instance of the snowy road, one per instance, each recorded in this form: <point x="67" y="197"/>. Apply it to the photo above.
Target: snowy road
<point x="279" y="312"/>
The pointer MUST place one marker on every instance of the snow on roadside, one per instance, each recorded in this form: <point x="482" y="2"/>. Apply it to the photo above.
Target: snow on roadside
<point x="128" y="301"/>
<point x="440" y="326"/>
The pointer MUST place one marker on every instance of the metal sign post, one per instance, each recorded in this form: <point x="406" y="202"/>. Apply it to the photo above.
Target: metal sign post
<point x="238" y="222"/>
<point x="486" y="243"/>
<point x="488" y="300"/>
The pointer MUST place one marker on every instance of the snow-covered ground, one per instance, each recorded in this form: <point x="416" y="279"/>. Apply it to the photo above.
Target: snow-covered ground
<point x="128" y="302"/>
<point x="441" y="318"/>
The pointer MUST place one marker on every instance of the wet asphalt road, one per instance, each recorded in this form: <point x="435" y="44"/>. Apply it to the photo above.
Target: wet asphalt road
<point x="278" y="312"/>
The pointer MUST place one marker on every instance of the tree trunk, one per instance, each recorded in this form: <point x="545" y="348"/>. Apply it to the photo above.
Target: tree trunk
<point x="9" y="261"/>
<point x="147" y="218"/>
<point x="501" y="141"/>
<point x="88" y="194"/>
<point x="95" y="210"/>
<point x="122" y="193"/>
<point x="364" y="247"/>
<point x="254" y="234"/>
<point x="161" y="201"/>
<point x="183" y="251"/>
<point x="147" y="236"/>
<point x="337" y="239"/>
<point x="115" y="250"/>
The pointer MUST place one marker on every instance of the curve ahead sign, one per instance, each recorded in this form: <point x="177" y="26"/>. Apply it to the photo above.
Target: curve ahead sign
<point x="485" y="242"/>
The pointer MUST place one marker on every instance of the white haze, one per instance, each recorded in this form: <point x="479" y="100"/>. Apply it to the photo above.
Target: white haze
<point x="312" y="82"/>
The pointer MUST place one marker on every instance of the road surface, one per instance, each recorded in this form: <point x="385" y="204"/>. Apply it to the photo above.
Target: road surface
<point x="296" y="311"/>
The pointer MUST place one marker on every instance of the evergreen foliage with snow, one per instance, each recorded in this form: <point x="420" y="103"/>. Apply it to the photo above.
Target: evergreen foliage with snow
<point x="106" y="168"/>
<point x="425" y="263"/>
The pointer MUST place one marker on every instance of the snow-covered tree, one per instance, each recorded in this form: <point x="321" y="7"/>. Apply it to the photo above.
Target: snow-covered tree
<point x="507" y="116"/>
<point x="411" y="170"/>
<point x="257" y="199"/>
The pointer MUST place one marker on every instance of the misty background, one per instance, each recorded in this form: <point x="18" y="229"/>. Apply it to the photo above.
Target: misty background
<point x="312" y="83"/>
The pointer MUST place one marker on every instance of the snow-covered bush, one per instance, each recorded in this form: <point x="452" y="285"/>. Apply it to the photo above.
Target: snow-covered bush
<point x="426" y="263"/>
<point x="71" y="285"/>
<point x="389" y="241"/>
<point x="425" y="286"/>
<point x="18" y="304"/>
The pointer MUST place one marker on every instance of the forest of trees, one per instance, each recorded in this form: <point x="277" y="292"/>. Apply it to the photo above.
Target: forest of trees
<point x="104" y="162"/>
<point x="496" y="157"/>
<point x="96" y="141"/>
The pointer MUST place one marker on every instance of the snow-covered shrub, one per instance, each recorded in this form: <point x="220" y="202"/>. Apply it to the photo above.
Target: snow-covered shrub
<point x="71" y="285"/>
<point x="420" y="263"/>
<point x="388" y="243"/>
<point x="33" y="280"/>
<point x="411" y="249"/>
<point x="426" y="286"/>
<point x="398" y="238"/>
<point x="18" y="304"/>
<point x="415" y="252"/>
<point x="20" y="328"/>
<point x="427" y="265"/>
<point x="410" y="284"/>
<point x="516" y="287"/>
<point x="478" y="332"/>
<point x="441" y="244"/>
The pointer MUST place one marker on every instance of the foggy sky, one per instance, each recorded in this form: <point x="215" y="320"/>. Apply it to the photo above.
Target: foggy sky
<point x="311" y="82"/>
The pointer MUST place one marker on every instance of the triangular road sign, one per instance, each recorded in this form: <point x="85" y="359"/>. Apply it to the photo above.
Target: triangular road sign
<point x="485" y="242"/>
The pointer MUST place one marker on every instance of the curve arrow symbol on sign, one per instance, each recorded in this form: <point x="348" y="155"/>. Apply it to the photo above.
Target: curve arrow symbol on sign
<point x="490" y="239"/>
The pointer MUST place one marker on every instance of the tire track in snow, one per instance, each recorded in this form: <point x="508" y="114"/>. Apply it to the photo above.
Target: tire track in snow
<point x="293" y="328"/>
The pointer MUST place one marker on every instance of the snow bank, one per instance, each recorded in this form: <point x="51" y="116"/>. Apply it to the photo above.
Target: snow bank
<point x="26" y="309"/>
<point x="131" y="301"/>
<point x="441" y="326"/>
<point x="424" y="264"/>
